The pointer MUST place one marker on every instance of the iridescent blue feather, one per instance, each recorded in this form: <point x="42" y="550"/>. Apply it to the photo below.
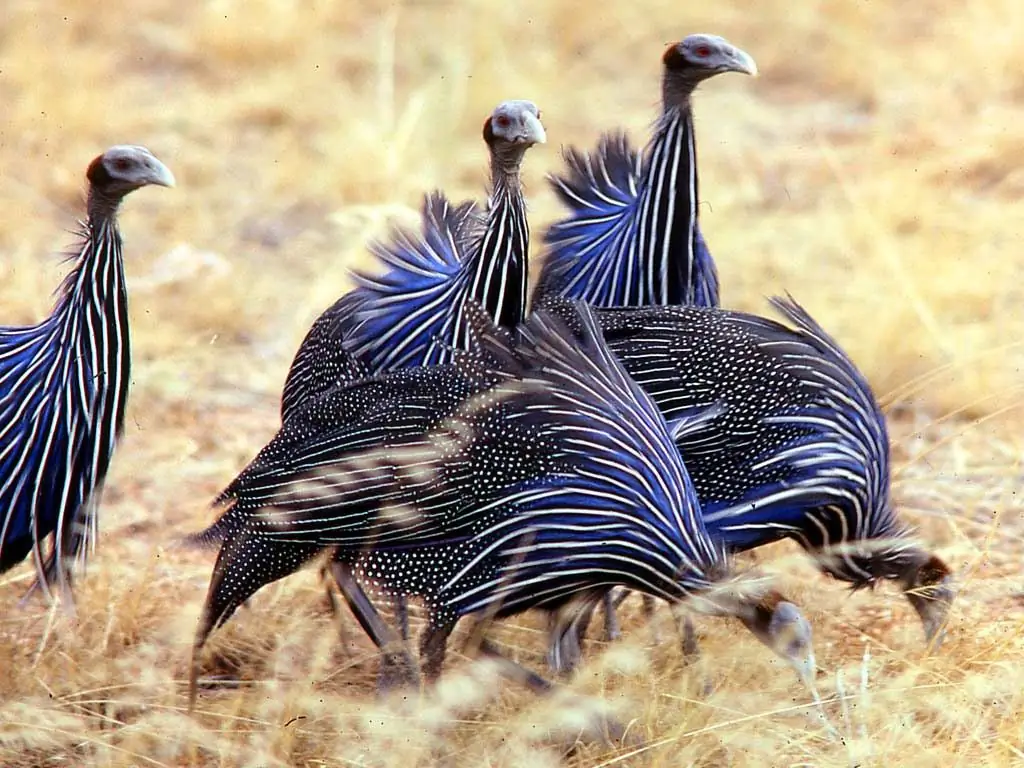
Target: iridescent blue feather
<point x="394" y="320"/>
<point x="595" y="254"/>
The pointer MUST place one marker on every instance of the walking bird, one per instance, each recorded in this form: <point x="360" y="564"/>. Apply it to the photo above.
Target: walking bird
<point x="412" y="314"/>
<point x="799" y="450"/>
<point x="632" y="237"/>
<point x="510" y="479"/>
<point x="64" y="384"/>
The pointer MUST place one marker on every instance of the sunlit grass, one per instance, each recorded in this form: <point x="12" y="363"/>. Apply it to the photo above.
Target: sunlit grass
<point x="873" y="170"/>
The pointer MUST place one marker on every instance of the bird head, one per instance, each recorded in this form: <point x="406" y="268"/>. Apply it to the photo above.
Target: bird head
<point x="781" y="626"/>
<point x="775" y="621"/>
<point x="928" y="585"/>
<point x="926" y="581"/>
<point x="698" y="57"/>
<point x="512" y="128"/>
<point x="125" y="168"/>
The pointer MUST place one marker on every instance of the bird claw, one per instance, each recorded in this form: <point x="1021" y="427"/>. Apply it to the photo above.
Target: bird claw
<point x="398" y="672"/>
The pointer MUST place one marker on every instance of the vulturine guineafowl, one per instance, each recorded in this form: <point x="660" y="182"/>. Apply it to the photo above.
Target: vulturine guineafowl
<point x="64" y="385"/>
<point x="633" y="237"/>
<point x="411" y="315"/>
<point x="509" y="479"/>
<point x="800" y="449"/>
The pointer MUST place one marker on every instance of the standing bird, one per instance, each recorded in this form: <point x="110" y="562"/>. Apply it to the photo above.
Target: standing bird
<point x="508" y="480"/>
<point x="799" y="449"/>
<point x="64" y="384"/>
<point x="632" y="237"/>
<point x="412" y="314"/>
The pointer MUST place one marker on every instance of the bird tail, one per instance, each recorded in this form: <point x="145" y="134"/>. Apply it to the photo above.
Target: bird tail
<point x="214" y="535"/>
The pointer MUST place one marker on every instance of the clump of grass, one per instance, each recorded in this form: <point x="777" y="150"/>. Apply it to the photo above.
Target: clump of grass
<point x="871" y="171"/>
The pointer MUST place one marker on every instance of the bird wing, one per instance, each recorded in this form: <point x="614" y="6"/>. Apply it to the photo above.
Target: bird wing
<point x="322" y="360"/>
<point x="620" y="510"/>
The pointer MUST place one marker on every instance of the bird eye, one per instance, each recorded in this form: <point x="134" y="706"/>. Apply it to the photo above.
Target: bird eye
<point x="502" y="121"/>
<point x="122" y="164"/>
<point x="703" y="51"/>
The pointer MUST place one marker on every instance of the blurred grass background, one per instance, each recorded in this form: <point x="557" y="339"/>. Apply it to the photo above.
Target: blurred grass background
<point x="873" y="170"/>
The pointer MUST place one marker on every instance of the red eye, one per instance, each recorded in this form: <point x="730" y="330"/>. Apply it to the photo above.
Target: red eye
<point x="502" y="121"/>
<point x="703" y="51"/>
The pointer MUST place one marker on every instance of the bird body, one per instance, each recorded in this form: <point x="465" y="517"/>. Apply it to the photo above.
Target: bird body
<point x="411" y="315"/>
<point x="800" y="449"/>
<point x="513" y="478"/>
<point x="64" y="386"/>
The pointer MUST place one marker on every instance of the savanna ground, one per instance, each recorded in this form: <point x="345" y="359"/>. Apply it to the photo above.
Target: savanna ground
<point x="873" y="170"/>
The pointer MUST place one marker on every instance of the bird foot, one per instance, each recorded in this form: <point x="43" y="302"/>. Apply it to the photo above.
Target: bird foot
<point x="603" y="730"/>
<point x="398" y="672"/>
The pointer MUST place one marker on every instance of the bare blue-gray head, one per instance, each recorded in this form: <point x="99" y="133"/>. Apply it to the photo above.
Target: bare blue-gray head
<point x="120" y="170"/>
<point x="695" y="59"/>
<point x="513" y="128"/>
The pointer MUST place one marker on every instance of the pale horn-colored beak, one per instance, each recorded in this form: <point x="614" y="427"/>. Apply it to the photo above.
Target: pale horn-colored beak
<point x="533" y="132"/>
<point x="162" y="175"/>
<point x="743" y="62"/>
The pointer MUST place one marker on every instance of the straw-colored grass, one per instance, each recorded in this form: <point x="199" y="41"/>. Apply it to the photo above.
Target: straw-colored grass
<point x="873" y="170"/>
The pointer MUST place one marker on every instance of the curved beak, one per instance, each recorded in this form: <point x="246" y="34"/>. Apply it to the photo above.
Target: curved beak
<point x="161" y="174"/>
<point x="533" y="131"/>
<point x="741" y="61"/>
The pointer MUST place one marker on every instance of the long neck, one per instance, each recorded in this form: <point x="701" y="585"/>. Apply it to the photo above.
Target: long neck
<point x="667" y="233"/>
<point x="96" y="304"/>
<point x="499" y="271"/>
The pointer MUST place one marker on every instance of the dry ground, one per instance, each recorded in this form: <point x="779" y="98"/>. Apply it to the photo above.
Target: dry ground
<point x="874" y="170"/>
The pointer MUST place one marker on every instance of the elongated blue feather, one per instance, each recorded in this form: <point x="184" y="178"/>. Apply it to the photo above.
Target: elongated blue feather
<point x="602" y="251"/>
<point x="624" y="512"/>
<point x="392" y="320"/>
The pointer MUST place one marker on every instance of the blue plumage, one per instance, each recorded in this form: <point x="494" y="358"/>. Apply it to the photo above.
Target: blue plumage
<point x="512" y="478"/>
<point x="64" y="385"/>
<point x="410" y="315"/>
<point x="401" y="318"/>
<point x="597" y="253"/>
<point x="632" y="236"/>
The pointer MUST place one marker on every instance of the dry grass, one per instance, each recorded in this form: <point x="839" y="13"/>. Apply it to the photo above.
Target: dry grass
<point x="874" y="170"/>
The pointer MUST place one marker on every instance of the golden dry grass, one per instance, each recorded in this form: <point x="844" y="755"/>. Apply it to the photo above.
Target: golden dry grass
<point x="873" y="170"/>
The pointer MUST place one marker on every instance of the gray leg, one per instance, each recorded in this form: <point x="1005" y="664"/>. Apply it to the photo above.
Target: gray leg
<point x="691" y="646"/>
<point x="397" y="667"/>
<point x="612" y="630"/>
<point x="513" y="670"/>
<point x="601" y="729"/>
<point x="433" y="644"/>
<point x="402" y="616"/>
<point x="567" y="626"/>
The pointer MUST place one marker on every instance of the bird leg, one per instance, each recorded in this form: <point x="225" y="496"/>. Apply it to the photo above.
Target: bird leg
<point x="567" y="626"/>
<point x="397" y="667"/>
<point x="433" y="645"/>
<point x="477" y="643"/>
<point x="691" y="646"/>
<point x="401" y="605"/>
<point x="612" y="630"/>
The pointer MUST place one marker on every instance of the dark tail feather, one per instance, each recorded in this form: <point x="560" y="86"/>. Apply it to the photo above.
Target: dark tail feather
<point x="212" y="537"/>
<point x="245" y="565"/>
